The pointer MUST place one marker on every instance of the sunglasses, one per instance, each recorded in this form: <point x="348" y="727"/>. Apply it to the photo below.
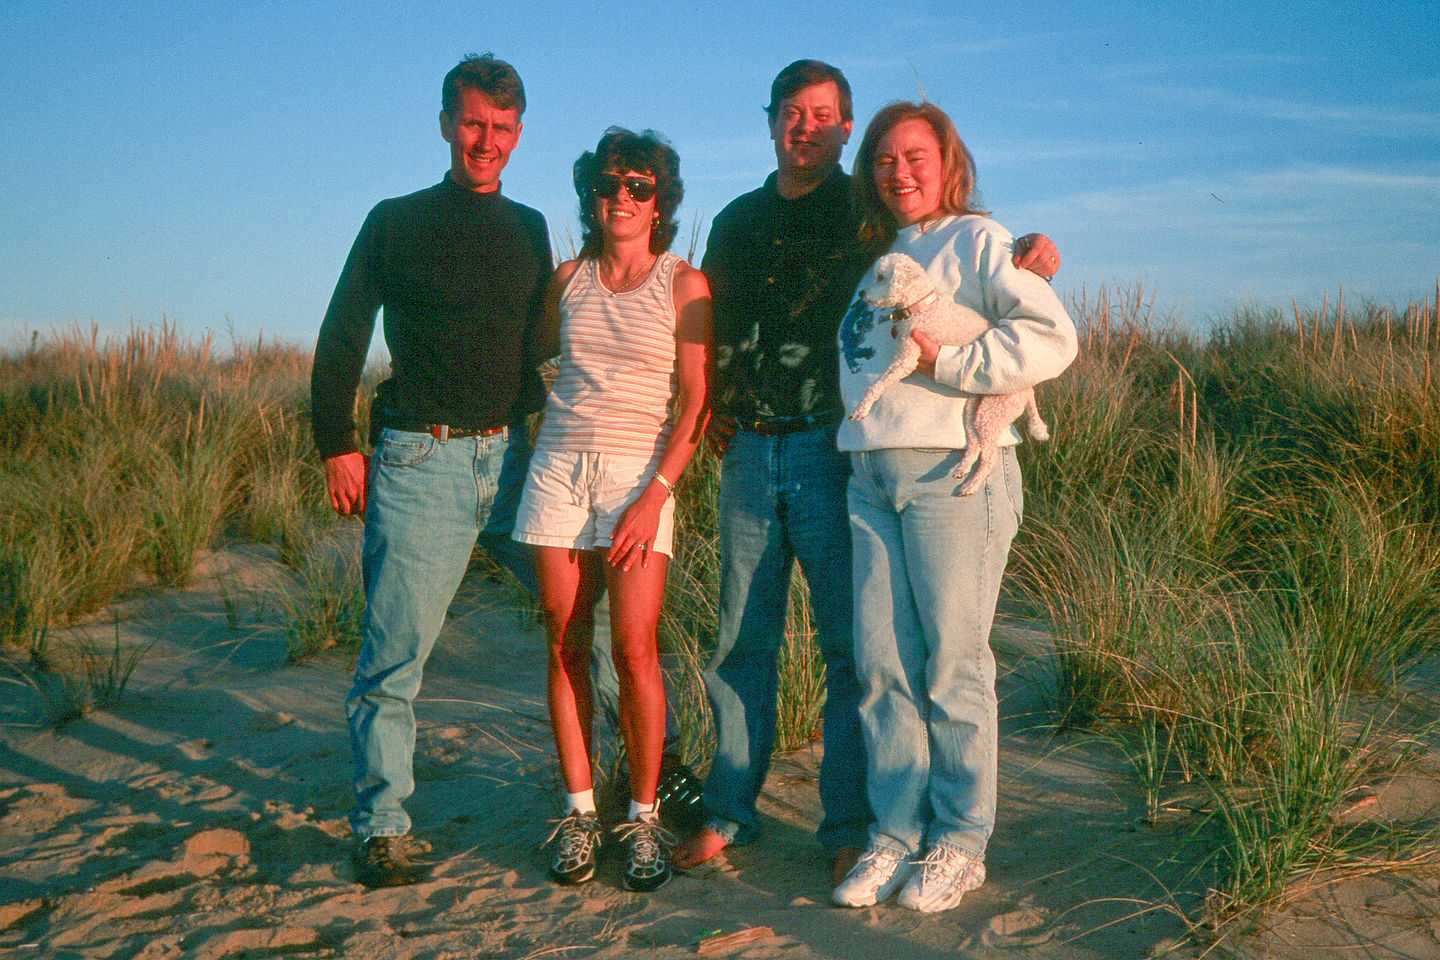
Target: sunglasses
<point x="607" y="186"/>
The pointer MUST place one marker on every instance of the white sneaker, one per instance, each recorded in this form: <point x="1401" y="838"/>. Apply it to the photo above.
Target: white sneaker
<point x="943" y="877"/>
<point x="874" y="877"/>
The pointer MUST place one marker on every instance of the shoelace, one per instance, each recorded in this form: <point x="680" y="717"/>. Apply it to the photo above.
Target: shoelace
<point x="872" y="861"/>
<point x="585" y="832"/>
<point x="938" y="859"/>
<point x="647" y="838"/>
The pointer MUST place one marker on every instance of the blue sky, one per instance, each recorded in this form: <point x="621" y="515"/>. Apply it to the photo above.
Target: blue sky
<point x="210" y="163"/>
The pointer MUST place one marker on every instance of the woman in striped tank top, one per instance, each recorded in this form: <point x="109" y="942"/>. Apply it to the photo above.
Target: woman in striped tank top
<point x="627" y="411"/>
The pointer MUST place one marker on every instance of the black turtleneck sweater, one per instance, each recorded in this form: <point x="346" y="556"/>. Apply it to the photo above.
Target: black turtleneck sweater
<point x="461" y="276"/>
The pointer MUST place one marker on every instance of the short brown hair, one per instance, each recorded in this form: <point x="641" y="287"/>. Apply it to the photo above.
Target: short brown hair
<point x="807" y="73"/>
<point x="493" y="77"/>
<point x="957" y="188"/>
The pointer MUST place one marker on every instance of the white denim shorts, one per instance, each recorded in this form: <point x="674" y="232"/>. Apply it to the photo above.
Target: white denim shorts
<point x="573" y="499"/>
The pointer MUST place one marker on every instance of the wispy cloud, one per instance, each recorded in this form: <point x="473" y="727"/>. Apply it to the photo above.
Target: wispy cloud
<point x="897" y="36"/>
<point x="1267" y="235"/>
<point x="1135" y="68"/>
<point x="1033" y="154"/>
<point x="1375" y="121"/>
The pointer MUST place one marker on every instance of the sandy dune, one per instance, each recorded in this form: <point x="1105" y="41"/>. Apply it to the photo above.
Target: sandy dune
<point x="204" y="818"/>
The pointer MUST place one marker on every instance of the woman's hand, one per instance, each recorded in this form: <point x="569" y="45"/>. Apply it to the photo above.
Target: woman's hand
<point x="634" y="536"/>
<point x="929" y="350"/>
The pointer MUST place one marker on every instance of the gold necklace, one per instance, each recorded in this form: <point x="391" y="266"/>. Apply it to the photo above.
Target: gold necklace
<point x="630" y="279"/>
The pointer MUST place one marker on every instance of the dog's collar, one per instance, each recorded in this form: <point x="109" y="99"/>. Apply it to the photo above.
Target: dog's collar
<point x="902" y="313"/>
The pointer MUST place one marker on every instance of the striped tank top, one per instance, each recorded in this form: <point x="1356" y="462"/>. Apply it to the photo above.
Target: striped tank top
<point x="617" y="379"/>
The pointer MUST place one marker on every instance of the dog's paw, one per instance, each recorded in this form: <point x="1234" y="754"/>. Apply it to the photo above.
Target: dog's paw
<point x="970" y="487"/>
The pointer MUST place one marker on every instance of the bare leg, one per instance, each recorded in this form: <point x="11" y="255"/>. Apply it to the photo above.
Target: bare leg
<point x="635" y="597"/>
<point x="569" y="587"/>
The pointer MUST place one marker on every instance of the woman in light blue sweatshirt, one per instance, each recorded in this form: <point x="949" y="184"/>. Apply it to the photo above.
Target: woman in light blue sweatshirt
<point x="928" y="562"/>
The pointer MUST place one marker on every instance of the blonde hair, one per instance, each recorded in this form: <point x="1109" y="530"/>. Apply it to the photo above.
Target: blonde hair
<point x="957" y="187"/>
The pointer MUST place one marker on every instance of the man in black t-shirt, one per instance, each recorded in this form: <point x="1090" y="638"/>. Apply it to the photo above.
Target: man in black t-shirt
<point x="783" y="262"/>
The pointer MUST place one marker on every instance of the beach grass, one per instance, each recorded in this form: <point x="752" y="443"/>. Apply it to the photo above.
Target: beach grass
<point x="1232" y="538"/>
<point x="326" y="604"/>
<point x="123" y="458"/>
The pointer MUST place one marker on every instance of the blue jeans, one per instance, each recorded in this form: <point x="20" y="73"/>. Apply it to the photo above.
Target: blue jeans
<point x="928" y="565"/>
<point x="429" y="503"/>
<point x="782" y="499"/>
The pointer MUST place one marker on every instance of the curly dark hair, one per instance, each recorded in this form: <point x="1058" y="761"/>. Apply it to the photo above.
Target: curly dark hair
<point x="645" y="152"/>
<point x="493" y="77"/>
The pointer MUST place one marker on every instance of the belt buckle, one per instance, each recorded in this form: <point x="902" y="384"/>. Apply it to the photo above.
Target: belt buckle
<point x="443" y="432"/>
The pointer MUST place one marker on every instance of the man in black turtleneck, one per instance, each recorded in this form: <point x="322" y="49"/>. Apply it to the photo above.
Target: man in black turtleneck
<point x="460" y="272"/>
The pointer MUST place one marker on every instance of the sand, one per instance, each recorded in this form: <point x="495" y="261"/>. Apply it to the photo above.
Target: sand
<point x="204" y="817"/>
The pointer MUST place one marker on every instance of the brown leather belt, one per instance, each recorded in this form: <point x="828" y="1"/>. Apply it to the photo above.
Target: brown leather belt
<point x="443" y="432"/>
<point x="779" y="426"/>
<point x="440" y="431"/>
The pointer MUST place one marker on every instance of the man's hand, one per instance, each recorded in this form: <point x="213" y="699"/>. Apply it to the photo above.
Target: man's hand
<point x="346" y="477"/>
<point x="720" y="431"/>
<point x="1038" y="254"/>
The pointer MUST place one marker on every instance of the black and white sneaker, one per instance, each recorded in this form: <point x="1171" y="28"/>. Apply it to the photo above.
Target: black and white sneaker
<point x="647" y="854"/>
<point x="578" y="852"/>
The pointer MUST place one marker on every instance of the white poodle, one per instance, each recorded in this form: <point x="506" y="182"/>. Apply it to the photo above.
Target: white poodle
<point x="898" y="281"/>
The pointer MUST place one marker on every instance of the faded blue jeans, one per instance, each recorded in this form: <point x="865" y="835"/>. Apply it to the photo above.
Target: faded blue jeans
<point x="928" y="565"/>
<point x="429" y="503"/>
<point x="782" y="499"/>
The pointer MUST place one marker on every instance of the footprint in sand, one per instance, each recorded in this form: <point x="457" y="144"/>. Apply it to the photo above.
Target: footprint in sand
<point x="1027" y="925"/>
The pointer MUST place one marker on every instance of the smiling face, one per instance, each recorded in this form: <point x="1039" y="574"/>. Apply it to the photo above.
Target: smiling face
<point x="809" y="133"/>
<point x="622" y="217"/>
<point x="481" y="137"/>
<point x="909" y="171"/>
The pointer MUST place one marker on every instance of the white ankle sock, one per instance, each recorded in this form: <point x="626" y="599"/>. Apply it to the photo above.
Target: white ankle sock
<point x="584" y="801"/>
<point x="644" y="811"/>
